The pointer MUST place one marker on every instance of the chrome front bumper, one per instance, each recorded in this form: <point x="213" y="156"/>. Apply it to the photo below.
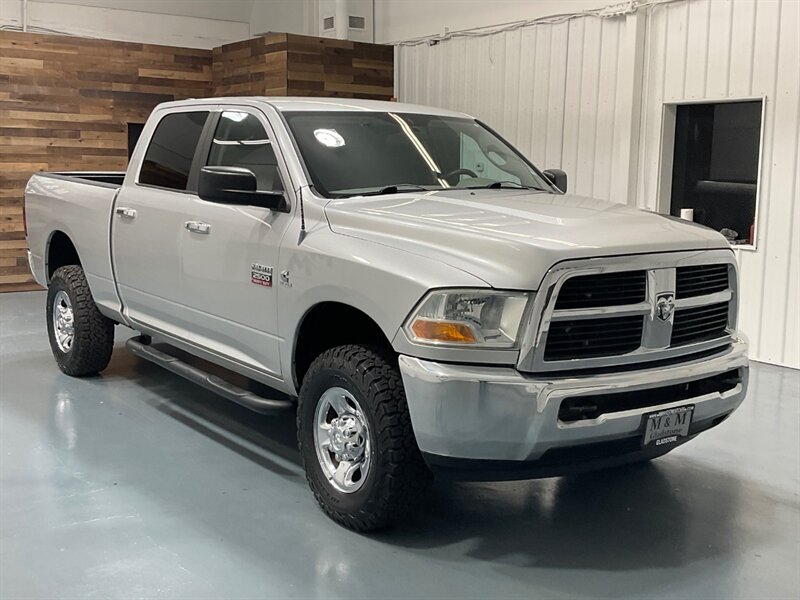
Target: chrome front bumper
<point x="499" y="414"/>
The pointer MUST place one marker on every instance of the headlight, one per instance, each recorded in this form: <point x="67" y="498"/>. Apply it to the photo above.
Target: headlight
<point x="483" y="318"/>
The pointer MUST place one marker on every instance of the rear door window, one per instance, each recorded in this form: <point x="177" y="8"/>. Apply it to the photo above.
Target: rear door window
<point x="168" y="160"/>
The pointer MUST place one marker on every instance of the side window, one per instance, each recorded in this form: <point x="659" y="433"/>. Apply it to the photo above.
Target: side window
<point x="168" y="159"/>
<point x="241" y="141"/>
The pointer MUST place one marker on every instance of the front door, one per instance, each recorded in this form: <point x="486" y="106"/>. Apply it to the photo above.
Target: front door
<point x="230" y="253"/>
<point x="149" y="216"/>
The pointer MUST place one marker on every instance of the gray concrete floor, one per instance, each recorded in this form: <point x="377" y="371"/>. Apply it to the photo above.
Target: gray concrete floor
<point x="138" y="484"/>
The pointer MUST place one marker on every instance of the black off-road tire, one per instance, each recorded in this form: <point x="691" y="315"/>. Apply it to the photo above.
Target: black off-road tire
<point x="93" y="338"/>
<point x="398" y="477"/>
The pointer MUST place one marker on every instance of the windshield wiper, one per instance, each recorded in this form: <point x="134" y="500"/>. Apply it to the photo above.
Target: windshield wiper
<point x="396" y="188"/>
<point x="507" y="185"/>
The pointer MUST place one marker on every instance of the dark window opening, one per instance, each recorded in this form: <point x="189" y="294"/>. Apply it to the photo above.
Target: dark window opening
<point x="715" y="166"/>
<point x="168" y="159"/>
<point x="134" y="133"/>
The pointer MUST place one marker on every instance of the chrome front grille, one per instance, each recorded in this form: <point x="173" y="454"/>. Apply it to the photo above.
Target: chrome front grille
<point x="699" y="323"/>
<point x="603" y="312"/>
<point x="588" y="338"/>
<point x="608" y="289"/>
<point x="700" y="280"/>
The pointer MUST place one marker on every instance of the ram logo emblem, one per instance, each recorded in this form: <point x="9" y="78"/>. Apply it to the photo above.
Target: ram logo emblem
<point x="665" y="307"/>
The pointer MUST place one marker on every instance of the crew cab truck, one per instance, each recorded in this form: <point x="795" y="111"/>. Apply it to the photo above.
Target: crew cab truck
<point x="425" y="298"/>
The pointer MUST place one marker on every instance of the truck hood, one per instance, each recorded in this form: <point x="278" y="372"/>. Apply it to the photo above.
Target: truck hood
<point x="509" y="238"/>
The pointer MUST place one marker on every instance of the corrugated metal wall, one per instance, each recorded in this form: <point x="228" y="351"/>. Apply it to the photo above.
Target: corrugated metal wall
<point x="706" y="49"/>
<point x="565" y="94"/>
<point x="540" y="87"/>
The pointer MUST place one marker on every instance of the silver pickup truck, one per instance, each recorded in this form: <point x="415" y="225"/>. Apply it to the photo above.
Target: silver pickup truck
<point x="425" y="298"/>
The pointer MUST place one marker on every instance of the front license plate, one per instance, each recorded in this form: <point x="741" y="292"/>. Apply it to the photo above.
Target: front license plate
<point x="667" y="426"/>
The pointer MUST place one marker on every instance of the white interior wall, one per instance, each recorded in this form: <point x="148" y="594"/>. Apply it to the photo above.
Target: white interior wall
<point x="588" y="95"/>
<point x="397" y="20"/>
<point x="362" y="8"/>
<point x="220" y="10"/>
<point x="551" y="89"/>
<point x="341" y="10"/>
<point x="715" y="49"/>
<point x="125" y="25"/>
<point x="289" y="16"/>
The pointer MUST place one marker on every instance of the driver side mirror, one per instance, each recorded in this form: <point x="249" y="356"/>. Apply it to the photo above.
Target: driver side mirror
<point x="236" y="185"/>
<point x="557" y="177"/>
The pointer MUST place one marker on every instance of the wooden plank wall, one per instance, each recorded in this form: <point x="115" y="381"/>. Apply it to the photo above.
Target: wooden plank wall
<point x="254" y="67"/>
<point x="327" y="67"/>
<point x="281" y="64"/>
<point x="65" y="102"/>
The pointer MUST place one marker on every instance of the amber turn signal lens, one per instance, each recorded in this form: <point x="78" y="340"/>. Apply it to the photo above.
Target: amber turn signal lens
<point x="443" y="331"/>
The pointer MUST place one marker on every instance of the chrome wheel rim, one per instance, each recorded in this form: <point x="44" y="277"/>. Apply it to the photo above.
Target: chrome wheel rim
<point x="342" y="440"/>
<point x="63" y="321"/>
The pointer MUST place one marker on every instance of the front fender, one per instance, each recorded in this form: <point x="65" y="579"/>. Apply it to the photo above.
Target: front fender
<point x="383" y="282"/>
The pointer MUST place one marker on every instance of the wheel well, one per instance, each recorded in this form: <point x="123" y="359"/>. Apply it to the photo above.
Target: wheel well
<point x="60" y="253"/>
<point x="332" y="324"/>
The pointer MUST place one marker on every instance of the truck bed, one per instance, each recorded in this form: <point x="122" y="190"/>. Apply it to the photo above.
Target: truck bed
<point x="77" y="205"/>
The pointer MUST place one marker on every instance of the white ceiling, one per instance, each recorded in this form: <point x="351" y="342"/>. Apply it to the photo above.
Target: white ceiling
<point x="224" y="10"/>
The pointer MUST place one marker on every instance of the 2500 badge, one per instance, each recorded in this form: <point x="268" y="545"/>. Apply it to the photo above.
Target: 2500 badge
<point x="261" y="275"/>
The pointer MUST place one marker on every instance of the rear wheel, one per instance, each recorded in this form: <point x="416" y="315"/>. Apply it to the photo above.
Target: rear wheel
<point x="359" y="452"/>
<point x="81" y="338"/>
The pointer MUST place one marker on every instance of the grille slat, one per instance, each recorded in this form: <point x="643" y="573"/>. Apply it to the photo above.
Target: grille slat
<point x="700" y="280"/>
<point x="701" y="290"/>
<point x="699" y="327"/>
<point x="619" y="334"/>
<point x="699" y="313"/>
<point x="607" y="289"/>
<point x="704" y="287"/>
<point x="589" y="338"/>
<point x="699" y="323"/>
<point x="712" y="278"/>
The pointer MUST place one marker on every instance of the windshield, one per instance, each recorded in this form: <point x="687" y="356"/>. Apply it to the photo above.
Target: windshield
<point x="356" y="153"/>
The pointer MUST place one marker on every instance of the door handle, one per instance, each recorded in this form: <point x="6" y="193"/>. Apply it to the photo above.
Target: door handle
<point x="126" y="213"/>
<point x="198" y="227"/>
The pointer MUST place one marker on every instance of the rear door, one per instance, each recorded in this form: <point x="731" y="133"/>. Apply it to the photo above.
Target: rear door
<point x="149" y="217"/>
<point x="230" y="259"/>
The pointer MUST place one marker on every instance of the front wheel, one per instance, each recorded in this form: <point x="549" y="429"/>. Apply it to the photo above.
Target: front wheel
<point x="358" y="448"/>
<point x="81" y="338"/>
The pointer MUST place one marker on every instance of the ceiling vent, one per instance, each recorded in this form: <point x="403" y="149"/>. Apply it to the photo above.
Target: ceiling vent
<point x="355" y="22"/>
<point x="346" y="20"/>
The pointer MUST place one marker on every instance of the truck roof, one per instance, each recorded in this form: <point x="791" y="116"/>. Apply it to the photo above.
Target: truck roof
<point x="310" y="103"/>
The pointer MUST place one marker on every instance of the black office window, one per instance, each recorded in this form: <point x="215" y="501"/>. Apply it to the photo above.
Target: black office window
<point x="169" y="156"/>
<point x="715" y="166"/>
